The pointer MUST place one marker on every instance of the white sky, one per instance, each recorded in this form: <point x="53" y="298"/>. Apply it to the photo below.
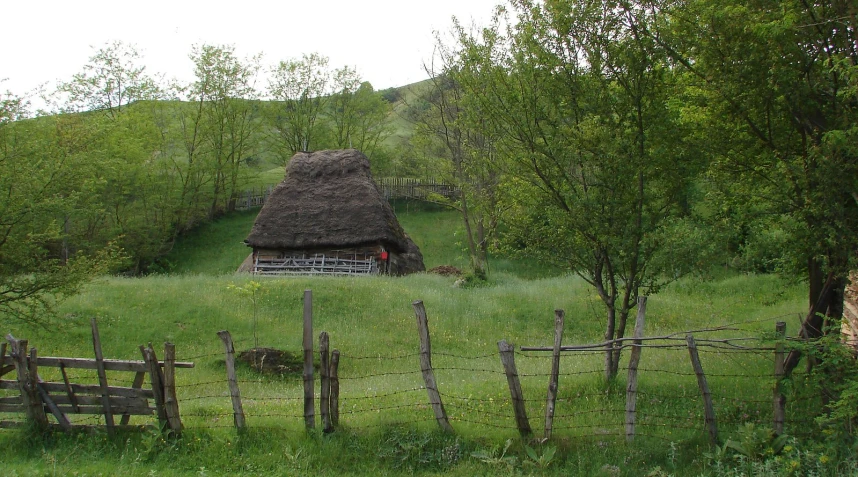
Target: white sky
<point x="386" y="40"/>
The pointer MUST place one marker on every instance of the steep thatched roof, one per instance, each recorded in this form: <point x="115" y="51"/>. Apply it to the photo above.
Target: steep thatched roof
<point x="327" y="200"/>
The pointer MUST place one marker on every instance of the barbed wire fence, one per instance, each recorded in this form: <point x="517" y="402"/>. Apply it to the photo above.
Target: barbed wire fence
<point x="474" y="392"/>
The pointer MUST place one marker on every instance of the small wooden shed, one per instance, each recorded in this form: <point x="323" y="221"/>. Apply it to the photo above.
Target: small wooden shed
<point x="328" y="217"/>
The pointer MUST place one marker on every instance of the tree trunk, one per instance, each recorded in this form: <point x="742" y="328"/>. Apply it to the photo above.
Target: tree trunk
<point x="610" y="365"/>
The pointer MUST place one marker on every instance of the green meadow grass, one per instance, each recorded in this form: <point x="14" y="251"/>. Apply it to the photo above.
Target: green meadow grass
<point x="386" y="426"/>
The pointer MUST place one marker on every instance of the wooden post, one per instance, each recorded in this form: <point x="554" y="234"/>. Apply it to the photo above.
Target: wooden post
<point x="102" y="377"/>
<point x="325" y="375"/>
<point x="156" y="380"/>
<point x="309" y="384"/>
<point x="426" y="367"/>
<point x="63" y="421"/>
<point x="171" y="401"/>
<point x="507" y="356"/>
<point x="136" y="384"/>
<point x="708" y="409"/>
<point x="29" y="394"/>
<point x="335" y="388"/>
<point x="779" y="400"/>
<point x="555" y="372"/>
<point x="234" y="394"/>
<point x="69" y="391"/>
<point x="634" y="360"/>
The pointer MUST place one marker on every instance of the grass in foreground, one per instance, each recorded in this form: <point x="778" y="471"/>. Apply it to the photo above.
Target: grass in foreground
<point x="386" y="427"/>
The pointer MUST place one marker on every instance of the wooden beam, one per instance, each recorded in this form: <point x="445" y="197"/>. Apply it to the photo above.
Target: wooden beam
<point x="507" y="357"/>
<point x="102" y="377"/>
<point x="171" y="401"/>
<point x="426" y="368"/>
<point x="234" y="394"/>
<point x="551" y="399"/>
<point x="309" y="383"/>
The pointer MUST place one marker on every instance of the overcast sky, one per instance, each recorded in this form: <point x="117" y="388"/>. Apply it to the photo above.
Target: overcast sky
<point x="386" y="40"/>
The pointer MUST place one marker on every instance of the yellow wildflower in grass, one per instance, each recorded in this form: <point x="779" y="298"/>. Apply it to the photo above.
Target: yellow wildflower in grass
<point x="823" y="459"/>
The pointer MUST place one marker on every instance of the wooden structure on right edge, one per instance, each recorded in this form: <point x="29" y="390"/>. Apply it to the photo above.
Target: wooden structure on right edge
<point x="849" y="328"/>
<point x="328" y="217"/>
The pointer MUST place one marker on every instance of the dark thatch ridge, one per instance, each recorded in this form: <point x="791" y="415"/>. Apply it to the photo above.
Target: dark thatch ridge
<point x="327" y="200"/>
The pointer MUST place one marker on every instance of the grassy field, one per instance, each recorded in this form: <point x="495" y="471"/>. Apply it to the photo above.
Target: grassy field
<point x="387" y="428"/>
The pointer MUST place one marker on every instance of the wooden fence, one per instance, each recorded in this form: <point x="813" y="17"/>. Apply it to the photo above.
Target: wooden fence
<point x="40" y="400"/>
<point x="637" y="344"/>
<point x="63" y="400"/>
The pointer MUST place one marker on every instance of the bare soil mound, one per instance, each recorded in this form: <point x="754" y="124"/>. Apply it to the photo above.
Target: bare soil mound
<point x="446" y="270"/>
<point x="271" y="360"/>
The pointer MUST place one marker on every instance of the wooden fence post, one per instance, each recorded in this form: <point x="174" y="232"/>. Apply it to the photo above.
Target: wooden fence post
<point x="507" y="356"/>
<point x="102" y="377"/>
<point x="171" y="401"/>
<point x="555" y="372"/>
<point x="325" y="376"/>
<point x="779" y="400"/>
<point x="234" y="394"/>
<point x="426" y="367"/>
<point x="634" y="360"/>
<point x="335" y="388"/>
<point x="309" y="383"/>
<point x="136" y="384"/>
<point x="708" y="409"/>
<point x="157" y="380"/>
<point x="26" y="383"/>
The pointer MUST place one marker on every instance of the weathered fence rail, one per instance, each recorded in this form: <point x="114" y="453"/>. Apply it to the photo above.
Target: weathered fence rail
<point x="38" y="399"/>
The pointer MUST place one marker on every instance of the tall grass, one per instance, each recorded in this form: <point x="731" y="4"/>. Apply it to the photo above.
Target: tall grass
<point x="370" y="319"/>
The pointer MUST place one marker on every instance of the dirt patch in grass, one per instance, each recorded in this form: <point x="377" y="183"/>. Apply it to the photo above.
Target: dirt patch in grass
<point x="446" y="270"/>
<point x="273" y="361"/>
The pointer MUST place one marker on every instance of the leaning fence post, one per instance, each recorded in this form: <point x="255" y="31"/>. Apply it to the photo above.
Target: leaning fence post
<point x="335" y="388"/>
<point x="426" y="367"/>
<point x="634" y="360"/>
<point x="708" y="409"/>
<point x="171" y="401"/>
<point x="309" y="383"/>
<point x="156" y="378"/>
<point x="102" y="377"/>
<point x="507" y="356"/>
<point x="325" y="375"/>
<point x="234" y="394"/>
<point x="555" y="372"/>
<point x="779" y="400"/>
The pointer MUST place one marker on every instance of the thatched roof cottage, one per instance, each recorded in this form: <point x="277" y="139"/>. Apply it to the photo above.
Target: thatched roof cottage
<point x="328" y="217"/>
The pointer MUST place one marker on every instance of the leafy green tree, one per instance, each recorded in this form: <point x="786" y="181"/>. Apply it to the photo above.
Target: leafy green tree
<point x="35" y="164"/>
<point x="111" y="80"/>
<point x="219" y="131"/>
<point x="452" y="129"/>
<point x="777" y="86"/>
<point x="580" y="104"/>
<point x="299" y="89"/>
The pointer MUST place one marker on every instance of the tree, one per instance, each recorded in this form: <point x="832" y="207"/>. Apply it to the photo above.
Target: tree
<point x="778" y="83"/>
<point x="122" y="192"/>
<point x="364" y="117"/>
<point x="219" y="131"/>
<point x="110" y="81"/>
<point x="451" y="128"/>
<point x="35" y="162"/>
<point x="300" y="87"/>
<point x="579" y="102"/>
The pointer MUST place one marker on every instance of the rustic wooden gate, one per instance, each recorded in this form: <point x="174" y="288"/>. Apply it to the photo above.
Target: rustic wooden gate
<point x="39" y="399"/>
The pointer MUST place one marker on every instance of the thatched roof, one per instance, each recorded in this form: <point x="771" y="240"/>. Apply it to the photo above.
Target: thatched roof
<point x="327" y="200"/>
